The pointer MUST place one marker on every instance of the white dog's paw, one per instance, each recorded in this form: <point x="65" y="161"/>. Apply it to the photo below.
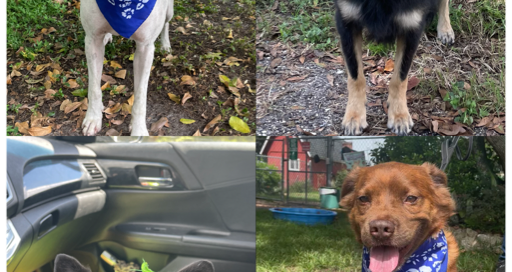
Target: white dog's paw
<point x="165" y="48"/>
<point x="92" y="123"/>
<point x="138" y="129"/>
<point x="107" y="38"/>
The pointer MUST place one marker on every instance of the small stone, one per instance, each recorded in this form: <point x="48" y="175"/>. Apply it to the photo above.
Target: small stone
<point x="471" y="233"/>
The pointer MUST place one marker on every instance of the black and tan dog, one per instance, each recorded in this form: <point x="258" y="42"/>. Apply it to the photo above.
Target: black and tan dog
<point x="386" y="21"/>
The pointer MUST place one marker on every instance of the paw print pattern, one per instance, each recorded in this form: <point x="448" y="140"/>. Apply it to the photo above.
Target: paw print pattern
<point x="125" y="3"/>
<point x="127" y="13"/>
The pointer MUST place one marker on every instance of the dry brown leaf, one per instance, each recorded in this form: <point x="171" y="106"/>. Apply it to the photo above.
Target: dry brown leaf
<point x="156" y="126"/>
<point x="197" y="133"/>
<point x="413" y="82"/>
<point x="126" y="109"/>
<point x="71" y="107"/>
<point x="72" y="83"/>
<point x="114" y="64"/>
<point x="212" y="122"/>
<point x="108" y="79"/>
<point x="485" y="121"/>
<point x="112" y="132"/>
<point x="275" y="62"/>
<point x="187" y="80"/>
<point x="114" y="109"/>
<point x="39" y="131"/>
<point x="297" y="78"/>
<point x="435" y="125"/>
<point x="47" y="85"/>
<point x="330" y="78"/>
<point x="182" y="30"/>
<point x="15" y="73"/>
<point x="120" y="74"/>
<point x="302" y="59"/>
<point x="130" y="100"/>
<point x="64" y="104"/>
<point x="239" y="83"/>
<point x="186" y="97"/>
<point x="9" y="80"/>
<point x="105" y="86"/>
<point x="390" y="65"/>
<point x="48" y="94"/>
<point x="22" y="127"/>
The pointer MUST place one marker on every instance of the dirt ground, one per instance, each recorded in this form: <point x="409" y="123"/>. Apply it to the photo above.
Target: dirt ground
<point x="302" y="91"/>
<point x="209" y="38"/>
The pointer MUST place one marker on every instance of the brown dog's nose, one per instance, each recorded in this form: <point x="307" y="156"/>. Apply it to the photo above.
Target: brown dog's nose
<point x="381" y="229"/>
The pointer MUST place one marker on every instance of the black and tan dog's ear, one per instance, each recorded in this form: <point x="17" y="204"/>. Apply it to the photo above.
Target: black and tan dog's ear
<point x="438" y="176"/>
<point x="66" y="263"/>
<point x="347" y="189"/>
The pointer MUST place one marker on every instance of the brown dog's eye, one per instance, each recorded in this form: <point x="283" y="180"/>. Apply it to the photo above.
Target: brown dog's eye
<point x="364" y="199"/>
<point x="411" y="199"/>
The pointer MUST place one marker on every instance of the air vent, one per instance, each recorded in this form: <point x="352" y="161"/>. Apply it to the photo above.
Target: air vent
<point x="93" y="171"/>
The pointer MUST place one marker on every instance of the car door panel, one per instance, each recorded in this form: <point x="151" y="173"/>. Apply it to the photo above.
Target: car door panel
<point x="169" y="227"/>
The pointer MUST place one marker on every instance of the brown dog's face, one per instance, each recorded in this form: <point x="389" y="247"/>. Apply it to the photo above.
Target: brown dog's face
<point x="394" y="208"/>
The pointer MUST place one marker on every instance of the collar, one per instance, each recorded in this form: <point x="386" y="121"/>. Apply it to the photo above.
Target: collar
<point x="431" y="256"/>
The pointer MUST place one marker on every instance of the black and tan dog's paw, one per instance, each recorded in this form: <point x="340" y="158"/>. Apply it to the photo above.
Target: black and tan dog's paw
<point x="446" y="36"/>
<point x="399" y="119"/>
<point x="354" y="122"/>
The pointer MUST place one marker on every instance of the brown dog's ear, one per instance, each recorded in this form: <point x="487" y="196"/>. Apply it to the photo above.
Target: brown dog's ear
<point x="438" y="176"/>
<point x="347" y="189"/>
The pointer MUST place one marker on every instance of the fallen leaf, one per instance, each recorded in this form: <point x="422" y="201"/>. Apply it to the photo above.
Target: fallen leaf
<point x="486" y="120"/>
<point x="47" y="85"/>
<point x="48" y="94"/>
<point x="224" y="79"/>
<point x="186" y="97"/>
<point x="64" y="104"/>
<point x="156" y="126"/>
<point x="330" y="78"/>
<point x="112" y="132"/>
<point x="181" y="29"/>
<point x="115" y="64"/>
<point x="500" y="129"/>
<point x="297" y="78"/>
<point x="119" y="89"/>
<point x="239" y="124"/>
<point x="302" y="59"/>
<point x="197" y="133"/>
<point x="212" y="122"/>
<point x="413" y="82"/>
<point x="390" y="65"/>
<point x="435" y="125"/>
<point x="80" y="92"/>
<point x="187" y="121"/>
<point x="126" y="109"/>
<point x="39" y="131"/>
<point x="105" y="86"/>
<point x="22" y="127"/>
<point x="230" y="35"/>
<point x="427" y="70"/>
<point x="120" y="74"/>
<point x="71" y="107"/>
<point x="114" y="109"/>
<point x="174" y="98"/>
<point x="9" y="80"/>
<point x="130" y="100"/>
<point x="467" y="87"/>
<point x="275" y="62"/>
<point x="187" y="80"/>
<point x="33" y="81"/>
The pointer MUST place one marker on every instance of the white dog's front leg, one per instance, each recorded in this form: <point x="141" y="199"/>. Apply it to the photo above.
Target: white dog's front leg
<point x="94" y="51"/>
<point x="142" y="62"/>
<point x="164" y="39"/>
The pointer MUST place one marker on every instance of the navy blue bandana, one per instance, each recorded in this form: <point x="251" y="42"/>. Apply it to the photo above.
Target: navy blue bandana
<point x="126" y="16"/>
<point x="431" y="256"/>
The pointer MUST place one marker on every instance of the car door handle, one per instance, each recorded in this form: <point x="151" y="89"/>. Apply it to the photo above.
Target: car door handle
<point x="156" y="182"/>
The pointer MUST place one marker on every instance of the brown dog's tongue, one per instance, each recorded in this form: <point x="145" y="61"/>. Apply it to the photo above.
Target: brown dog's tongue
<point x="383" y="258"/>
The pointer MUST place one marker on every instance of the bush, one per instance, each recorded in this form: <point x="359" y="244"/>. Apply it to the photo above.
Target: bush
<point x="300" y="187"/>
<point x="339" y="178"/>
<point x="267" y="182"/>
<point x="485" y="212"/>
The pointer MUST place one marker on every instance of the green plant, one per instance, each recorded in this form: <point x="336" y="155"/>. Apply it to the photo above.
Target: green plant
<point x="12" y="131"/>
<point x="59" y="94"/>
<point x="339" y="178"/>
<point x="268" y="181"/>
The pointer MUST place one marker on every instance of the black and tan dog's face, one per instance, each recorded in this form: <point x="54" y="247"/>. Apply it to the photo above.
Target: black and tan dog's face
<point x="395" y="207"/>
<point x="387" y="21"/>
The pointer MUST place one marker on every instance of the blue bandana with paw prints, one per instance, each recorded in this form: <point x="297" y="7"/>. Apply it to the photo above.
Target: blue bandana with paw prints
<point x="431" y="256"/>
<point x="126" y="16"/>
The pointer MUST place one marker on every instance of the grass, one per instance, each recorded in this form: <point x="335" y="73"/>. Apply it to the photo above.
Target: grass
<point x="285" y="246"/>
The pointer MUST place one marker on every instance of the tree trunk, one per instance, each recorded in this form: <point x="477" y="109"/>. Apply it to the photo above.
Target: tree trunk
<point x="498" y="144"/>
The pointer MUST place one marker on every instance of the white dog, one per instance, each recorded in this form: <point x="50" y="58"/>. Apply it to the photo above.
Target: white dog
<point x="123" y="16"/>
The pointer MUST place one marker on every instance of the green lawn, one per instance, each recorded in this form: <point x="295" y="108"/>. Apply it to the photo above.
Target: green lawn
<point x="285" y="246"/>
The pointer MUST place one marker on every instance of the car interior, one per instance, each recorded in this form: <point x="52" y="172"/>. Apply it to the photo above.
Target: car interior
<point x="169" y="204"/>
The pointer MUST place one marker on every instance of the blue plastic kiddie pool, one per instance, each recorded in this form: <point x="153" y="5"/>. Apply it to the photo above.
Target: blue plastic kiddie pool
<point x="305" y="216"/>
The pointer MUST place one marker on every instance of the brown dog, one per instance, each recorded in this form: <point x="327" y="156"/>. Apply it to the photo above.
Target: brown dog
<point x="395" y="209"/>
